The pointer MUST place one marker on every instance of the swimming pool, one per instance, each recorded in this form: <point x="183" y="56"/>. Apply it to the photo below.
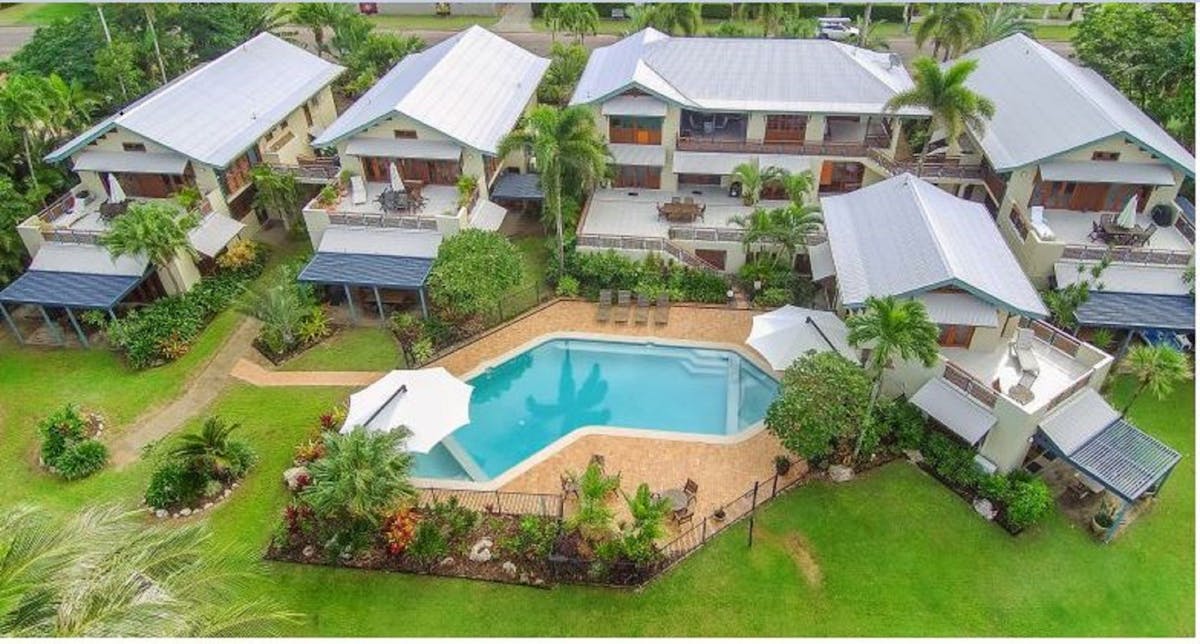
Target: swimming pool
<point x="544" y="393"/>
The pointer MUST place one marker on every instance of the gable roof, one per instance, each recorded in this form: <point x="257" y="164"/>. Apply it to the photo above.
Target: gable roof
<point x="216" y="111"/>
<point x="904" y="236"/>
<point x="1046" y="105"/>
<point x="789" y="75"/>
<point x="472" y="87"/>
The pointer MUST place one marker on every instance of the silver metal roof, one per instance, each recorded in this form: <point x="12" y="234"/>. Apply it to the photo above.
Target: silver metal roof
<point x="1126" y="278"/>
<point x="904" y="236"/>
<point x="1047" y="105"/>
<point x="745" y="74"/>
<point x="57" y="257"/>
<point x="1076" y="421"/>
<point x="397" y="242"/>
<point x="641" y="155"/>
<point x="215" y="112"/>
<point x="148" y="162"/>
<point x="487" y="215"/>
<point x="214" y="233"/>
<point x="362" y="146"/>
<point x="472" y="87"/>
<point x="1151" y="174"/>
<point x="634" y="106"/>
<point x="820" y="256"/>
<point x="959" y="308"/>
<point x="959" y="413"/>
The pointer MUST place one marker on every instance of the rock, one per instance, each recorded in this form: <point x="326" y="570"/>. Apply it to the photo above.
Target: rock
<point x="524" y="578"/>
<point x="308" y="551"/>
<point x="160" y="514"/>
<point x="448" y="561"/>
<point x="186" y="512"/>
<point x="914" y="456"/>
<point x="481" y="551"/>
<point x="538" y="581"/>
<point x="226" y="493"/>
<point x="235" y="485"/>
<point x="292" y="477"/>
<point x="510" y="568"/>
<point x="208" y="505"/>
<point x="985" y="508"/>
<point x="840" y="473"/>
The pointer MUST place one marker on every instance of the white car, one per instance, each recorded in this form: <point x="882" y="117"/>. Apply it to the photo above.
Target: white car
<point x="836" y="29"/>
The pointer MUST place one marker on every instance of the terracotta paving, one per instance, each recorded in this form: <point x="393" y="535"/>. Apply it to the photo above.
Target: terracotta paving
<point x="253" y="373"/>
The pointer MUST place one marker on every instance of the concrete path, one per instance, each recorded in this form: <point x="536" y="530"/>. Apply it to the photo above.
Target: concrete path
<point x="13" y="37"/>
<point x="516" y="16"/>
<point x="255" y="374"/>
<point x="201" y="392"/>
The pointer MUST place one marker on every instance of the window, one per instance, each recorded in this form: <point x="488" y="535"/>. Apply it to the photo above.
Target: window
<point x="955" y="335"/>
<point x="308" y="116"/>
<point x="133" y="147"/>
<point x="1105" y="156"/>
<point x="404" y="134"/>
<point x="785" y="127"/>
<point x="635" y="129"/>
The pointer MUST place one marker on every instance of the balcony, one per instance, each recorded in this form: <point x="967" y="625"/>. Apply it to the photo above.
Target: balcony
<point x="439" y="200"/>
<point x="1167" y="246"/>
<point x="932" y="169"/>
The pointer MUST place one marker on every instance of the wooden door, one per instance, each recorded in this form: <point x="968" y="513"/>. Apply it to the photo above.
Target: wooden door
<point x="955" y="335"/>
<point x="1088" y="196"/>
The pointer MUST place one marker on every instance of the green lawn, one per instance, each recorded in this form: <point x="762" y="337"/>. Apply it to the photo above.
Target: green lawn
<point x="894" y="553"/>
<point x="351" y="349"/>
<point x="431" y="23"/>
<point x="35" y="14"/>
<point x="1059" y="32"/>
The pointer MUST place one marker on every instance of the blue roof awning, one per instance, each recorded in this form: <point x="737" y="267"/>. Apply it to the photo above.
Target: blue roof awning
<point x="361" y="269"/>
<point x="517" y="186"/>
<point x="77" y="290"/>
<point x="1138" y="311"/>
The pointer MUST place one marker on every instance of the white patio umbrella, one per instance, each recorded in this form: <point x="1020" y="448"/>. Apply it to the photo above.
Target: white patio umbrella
<point x="431" y="403"/>
<point x="394" y="176"/>
<point x="115" y="193"/>
<point x="789" y="332"/>
<point x="1128" y="216"/>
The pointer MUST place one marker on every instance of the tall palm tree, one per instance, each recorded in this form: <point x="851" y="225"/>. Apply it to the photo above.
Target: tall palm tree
<point x="783" y="229"/>
<point x="1001" y="21"/>
<point x="951" y="103"/>
<point x="1156" y="367"/>
<point x="797" y="185"/>
<point x="209" y="448"/>
<point x="155" y="230"/>
<point x="103" y="573"/>
<point x="564" y="142"/>
<point x="70" y="105"/>
<point x="579" y="18"/>
<point x="753" y="178"/>
<point x="162" y="66"/>
<point x="953" y="28"/>
<point x="676" y="18"/>
<point x="317" y="17"/>
<point x="891" y="328"/>
<point x="770" y="15"/>
<point x="25" y="112"/>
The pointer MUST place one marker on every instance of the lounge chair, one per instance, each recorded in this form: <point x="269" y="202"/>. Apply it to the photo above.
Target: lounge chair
<point x="642" y="314"/>
<point x="1021" y="348"/>
<point x="570" y="487"/>
<point x="604" y="310"/>
<point x="662" y="308"/>
<point x="622" y="312"/>
<point x="358" y="190"/>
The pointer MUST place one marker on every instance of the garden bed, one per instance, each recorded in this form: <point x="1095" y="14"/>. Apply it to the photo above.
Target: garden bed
<point x="278" y="359"/>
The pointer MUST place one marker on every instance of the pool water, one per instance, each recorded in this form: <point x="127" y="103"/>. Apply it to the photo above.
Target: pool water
<point x="540" y="395"/>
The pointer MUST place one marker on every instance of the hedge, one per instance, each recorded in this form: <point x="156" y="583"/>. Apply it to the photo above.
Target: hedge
<point x="888" y="12"/>
<point x="720" y="11"/>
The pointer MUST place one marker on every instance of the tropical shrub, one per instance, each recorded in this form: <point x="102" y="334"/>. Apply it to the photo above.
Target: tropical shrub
<point x="907" y="423"/>
<point x="534" y="538"/>
<point x="568" y="286"/>
<point x="67" y="448"/>
<point x="951" y="459"/>
<point x="82" y="459"/>
<point x="399" y="529"/>
<point x="473" y="270"/>
<point x="650" y="277"/>
<point x="453" y="519"/>
<point x="773" y="297"/>
<point x="648" y="514"/>
<point x="820" y="404"/>
<point x="240" y="254"/>
<point x="1027" y="501"/>
<point x="172" y="485"/>
<point x="428" y="545"/>
<point x="593" y="518"/>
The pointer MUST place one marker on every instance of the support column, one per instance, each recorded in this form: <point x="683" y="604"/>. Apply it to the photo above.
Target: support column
<point x="1124" y="345"/>
<point x="11" y="324"/>
<point x="379" y="303"/>
<point x="350" y="303"/>
<point x="53" y="327"/>
<point x="424" y="310"/>
<point x="112" y="315"/>
<point x="78" y="329"/>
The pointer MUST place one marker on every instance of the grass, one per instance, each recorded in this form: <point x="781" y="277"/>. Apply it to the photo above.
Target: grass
<point x="350" y="349"/>
<point x="34" y="14"/>
<point x="431" y="23"/>
<point x="893" y="553"/>
<point x="1055" y="32"/>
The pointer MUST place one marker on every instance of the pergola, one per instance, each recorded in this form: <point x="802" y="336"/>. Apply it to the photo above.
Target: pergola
<point x="69" y="291"/>
<point x="360" y="270"/>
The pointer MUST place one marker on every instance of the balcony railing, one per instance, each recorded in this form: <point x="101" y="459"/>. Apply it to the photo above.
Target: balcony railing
<point x="1128" y="255"/>
<point x="415" y="222"/>
<point x="1056" y="337"/>
<point x="823" y="148"/>
<point x="970" y="385"/>
<point x="710" y="234"/>
<point x="314" y="172"/>
<point x="1080" y="384"/>
<point x="937" y="170"/>
<point x="656" y="244"/>
<point x="58" y="207"/>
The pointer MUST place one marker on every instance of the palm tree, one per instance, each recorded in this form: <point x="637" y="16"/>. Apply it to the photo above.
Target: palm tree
<point x="869" y="36"/>
<point x="580" y="19"/>
<point x="25" y="109"/>
<point x="317" y="17"/>
<point x="162" y="66"/>
<point x="1156" y="367"/>
<point x="769" y="14"/>
<point x="753" y="177"/>
<point x="208" y="450"/>
<point x="275" y="192"/>
<point x="1001" y="21"/>
<point x="564" y="143"/>
<point x="281" y="306"/>
<point x="784" y="229"/>
<point x="155" y="230"/>
<point x="648" y="513"/>
<point x="70" y="105"/>
<point x="953" y="27"/>
<point x="593" y="517"/>
<point x="676" y="18"/>
<point x="891" y="328"/>
<point x="103" y="573"/>
<point x="552" y="16"/>
<point x="797" y="185"/>
<point x="951" y="103"/>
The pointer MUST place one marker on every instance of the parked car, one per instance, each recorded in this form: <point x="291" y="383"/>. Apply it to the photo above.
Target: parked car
<point x="836" y="29"/>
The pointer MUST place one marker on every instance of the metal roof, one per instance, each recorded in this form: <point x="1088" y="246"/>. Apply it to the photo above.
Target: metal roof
<point x="512" y="185"/>
<point x="396" y="242"/>
<point x="147" y="162"/>
<point x="471" y="87"/>
<point x="1046" y="106"/>
<point x="487" y="215"/>
<point x="634" y="106"/>
<point x="955" y="410"/>
<point x="959" y="308"/>
<point x="215" y="112"/>
<point x="1077" y="420"/>
<point x="1150" y="174"/>
<point x="362" y="146"/>
<point x="820" y="256"/>
<point x="1125" y="459"/>
<point x="357" y="269"/>
<point x="76" y="290"/>
<point x="214" y="233"/>
<point x="639" y="155"/>
<point x="1125" y="278"/>
<point x="1138" y="311"/>
<point x="63" y="257"/>
<point x="904" y="236"/>
<point x="743" y="74"/>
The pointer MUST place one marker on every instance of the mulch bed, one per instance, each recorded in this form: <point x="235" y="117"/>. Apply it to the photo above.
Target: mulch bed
<point x="969" y="496"/>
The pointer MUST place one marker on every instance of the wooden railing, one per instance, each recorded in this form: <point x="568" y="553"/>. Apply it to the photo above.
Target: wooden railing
<point x="1185" y="227"/>
<point x="969" y="384"/>
<point x="1128" y="254"/>
<point x="70" y="236"/>
<point x="656" y="244"/>
<point x="58" y="207"/>
<point x="1080" y="384"/>
<point x="948" y="170"/>
<point x="416" y="222"/>
<point x="824" y="148"/>
<point x="1056" y="337"/>
<point x="315" y="172"/>
<point x="710" y="234"/>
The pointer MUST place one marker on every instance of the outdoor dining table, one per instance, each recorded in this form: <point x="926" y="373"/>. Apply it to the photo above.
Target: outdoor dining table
<point x="680" y="211"/>
<point x="1121" y="236"/>
<point x="677" y="497"/>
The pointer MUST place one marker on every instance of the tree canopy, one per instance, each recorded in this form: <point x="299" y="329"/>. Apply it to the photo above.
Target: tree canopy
<point x="821" y="398"/>
<point x="473" y="270"/>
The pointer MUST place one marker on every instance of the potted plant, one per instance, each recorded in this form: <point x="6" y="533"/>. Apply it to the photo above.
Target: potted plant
<point x="719" y="515"/>
<point x="1162" y="214"/>
<point x="328" y="197"/>
<point x="1104" y="518"/>
<point x="783" y="465"/>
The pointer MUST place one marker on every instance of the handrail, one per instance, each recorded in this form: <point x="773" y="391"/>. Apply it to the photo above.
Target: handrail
<point x="1128" y="254"/>
<point x="629" y="242"/>
<point x="418" y="222"/>
<point x="947" y="170"/>
<point x="969" y="384"/>
<point x="58" y="207"/>
<point x="825" y="148"/>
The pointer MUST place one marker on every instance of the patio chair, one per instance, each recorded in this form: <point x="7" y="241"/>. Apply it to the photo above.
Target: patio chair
<point x="674" y="199"/>
<point x="1098" y="233"/>
<point x="662" y="309"/>
<point x="690" y="489"/>
<point x="604" y="310"/>
<point x="358" y="190"/>
<point x="1021" y="348"/>
<point x="684" y="515"/>
<point x="622" y="312"/>
<point x="642" y="314"/>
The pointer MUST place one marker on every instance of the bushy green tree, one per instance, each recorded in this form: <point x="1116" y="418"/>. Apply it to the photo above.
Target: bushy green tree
<point x="567" y="62"/>
<point x="820" y="402"/>
<point x="13" y="210"/>
<point x="473" y="270"/>
<point x="1157" y="368"/>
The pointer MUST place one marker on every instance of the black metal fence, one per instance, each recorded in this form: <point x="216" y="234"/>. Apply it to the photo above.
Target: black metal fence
<point x="495" y="502"/>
